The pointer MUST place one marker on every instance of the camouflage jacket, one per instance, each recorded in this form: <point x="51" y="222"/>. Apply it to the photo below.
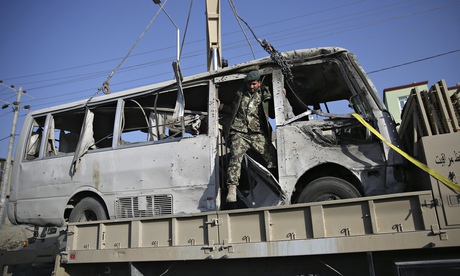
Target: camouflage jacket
<point x="267" y="105"/>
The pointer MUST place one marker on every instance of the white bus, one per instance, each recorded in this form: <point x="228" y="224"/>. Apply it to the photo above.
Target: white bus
<point x="129" y="154"/>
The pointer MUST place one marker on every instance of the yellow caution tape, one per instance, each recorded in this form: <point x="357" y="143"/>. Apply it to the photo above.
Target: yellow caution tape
<point x="419" y="164"/>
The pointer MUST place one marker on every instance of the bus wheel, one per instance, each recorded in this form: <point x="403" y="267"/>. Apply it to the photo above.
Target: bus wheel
<point x="88" y="209"/>
<point x="327" y="188"/>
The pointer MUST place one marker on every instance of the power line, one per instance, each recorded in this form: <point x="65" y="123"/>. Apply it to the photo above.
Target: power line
<point x="322" y="23"/>
<point x="165" y="48"/>
<point x="343" y="27"/>
<point x="412" y="62"/>
<point x="88" y="76"/>
<point x="4" y="138"/>
<point x="267" y="24"/>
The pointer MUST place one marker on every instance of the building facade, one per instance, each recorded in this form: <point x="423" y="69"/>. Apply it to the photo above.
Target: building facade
<point x="395" y="97"/>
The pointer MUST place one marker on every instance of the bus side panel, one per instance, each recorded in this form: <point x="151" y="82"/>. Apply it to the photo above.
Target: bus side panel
<point x="182" y="169"/>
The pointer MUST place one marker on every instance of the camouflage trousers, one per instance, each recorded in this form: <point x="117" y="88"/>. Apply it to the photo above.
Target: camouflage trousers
<point x="240" y="144"/>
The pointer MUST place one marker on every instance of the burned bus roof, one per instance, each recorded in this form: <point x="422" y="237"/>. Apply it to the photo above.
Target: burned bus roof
<point x="293" y="56"/>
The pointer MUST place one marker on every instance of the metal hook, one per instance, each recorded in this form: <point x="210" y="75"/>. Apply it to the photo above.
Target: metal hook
<point x="105" y="88"/>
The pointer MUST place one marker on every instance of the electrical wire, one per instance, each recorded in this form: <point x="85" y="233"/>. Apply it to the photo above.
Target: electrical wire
<point x="229" y="47"/>
<point x="232" y="5"/>
<point x="267" y="24"/>
<point x="105" y="86"/>
<point x="412" y="62"/>
<point x="333" y="30"/>
<point x="186" y="28"/>
<point x="85" y="77"/>
<point x="7" y="137"/>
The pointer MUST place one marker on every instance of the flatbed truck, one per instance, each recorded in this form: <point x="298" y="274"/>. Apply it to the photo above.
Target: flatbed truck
<point x="410" y="233"/>
<point x="381" y="235"/>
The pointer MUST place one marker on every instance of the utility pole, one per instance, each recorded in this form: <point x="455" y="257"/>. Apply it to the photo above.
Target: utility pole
<point x="213" y="37"/>
<point x="6" y="171"/>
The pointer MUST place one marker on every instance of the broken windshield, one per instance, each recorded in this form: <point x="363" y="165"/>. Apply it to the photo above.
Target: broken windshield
<point x="320" y="86"/>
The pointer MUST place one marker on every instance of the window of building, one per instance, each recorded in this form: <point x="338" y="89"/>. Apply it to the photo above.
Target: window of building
<point x="402" y="101"/>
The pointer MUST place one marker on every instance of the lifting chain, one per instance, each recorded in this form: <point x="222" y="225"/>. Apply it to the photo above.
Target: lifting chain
<point x="276" y="56"/>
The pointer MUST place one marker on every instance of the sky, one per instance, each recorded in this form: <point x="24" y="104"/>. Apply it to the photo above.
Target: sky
<point x="62" y="51"/>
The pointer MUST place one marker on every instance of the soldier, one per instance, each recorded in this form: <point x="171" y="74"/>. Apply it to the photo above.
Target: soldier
<point x="249" y="128"/>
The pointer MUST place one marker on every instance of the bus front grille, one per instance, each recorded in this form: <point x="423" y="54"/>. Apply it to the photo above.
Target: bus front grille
<point x="143" y="206"/>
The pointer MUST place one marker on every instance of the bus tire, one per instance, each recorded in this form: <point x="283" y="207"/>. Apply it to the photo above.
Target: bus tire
<point x="328" y="188"/>
<point x="88" y="209"/>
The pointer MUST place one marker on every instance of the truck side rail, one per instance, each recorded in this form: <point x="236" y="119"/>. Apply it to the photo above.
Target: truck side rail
<point x="388" y="222"/>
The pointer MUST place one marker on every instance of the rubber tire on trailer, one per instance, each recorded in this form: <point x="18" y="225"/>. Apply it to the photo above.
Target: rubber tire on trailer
<point x="88" y="209"/>
<point x="328" y="188"/>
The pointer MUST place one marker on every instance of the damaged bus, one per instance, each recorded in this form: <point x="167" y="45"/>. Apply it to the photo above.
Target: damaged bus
<point x="161" y="149"/>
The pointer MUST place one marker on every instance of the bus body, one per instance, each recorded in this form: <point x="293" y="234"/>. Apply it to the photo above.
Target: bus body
<point x="130" y="154"/>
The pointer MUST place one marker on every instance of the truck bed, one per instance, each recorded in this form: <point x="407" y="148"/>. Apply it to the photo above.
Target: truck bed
<point x="390" y="222"/>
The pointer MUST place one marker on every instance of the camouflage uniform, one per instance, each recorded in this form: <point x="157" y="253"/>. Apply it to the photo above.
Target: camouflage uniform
<point x="250" y="129"/>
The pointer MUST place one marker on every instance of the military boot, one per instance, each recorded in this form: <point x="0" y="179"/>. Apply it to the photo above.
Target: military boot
<point x="231" y="195"/>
